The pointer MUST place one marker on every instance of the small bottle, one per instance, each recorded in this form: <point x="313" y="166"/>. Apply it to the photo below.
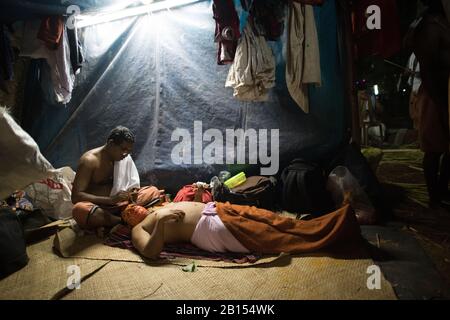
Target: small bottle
<point x="224" y="175"/>
<point x="215" y="182"/>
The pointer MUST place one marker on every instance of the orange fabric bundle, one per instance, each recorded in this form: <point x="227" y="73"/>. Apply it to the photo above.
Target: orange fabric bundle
<point x="134" y="214"/>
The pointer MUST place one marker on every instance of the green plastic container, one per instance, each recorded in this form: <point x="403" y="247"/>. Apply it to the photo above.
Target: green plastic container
<point x="236" y="180"/>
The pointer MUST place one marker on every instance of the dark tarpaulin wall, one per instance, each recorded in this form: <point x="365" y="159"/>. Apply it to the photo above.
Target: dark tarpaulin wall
<point x="158" y="72"/>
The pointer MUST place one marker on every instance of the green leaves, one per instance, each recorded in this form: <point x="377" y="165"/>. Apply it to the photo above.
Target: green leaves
<point x="192" y="267"/>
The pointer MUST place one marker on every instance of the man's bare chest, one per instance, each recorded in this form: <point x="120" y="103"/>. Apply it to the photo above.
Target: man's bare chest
<point x="103" y="174"/>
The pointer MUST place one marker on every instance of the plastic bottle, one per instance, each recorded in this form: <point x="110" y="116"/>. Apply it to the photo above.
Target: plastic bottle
<point x="235" y="180"/>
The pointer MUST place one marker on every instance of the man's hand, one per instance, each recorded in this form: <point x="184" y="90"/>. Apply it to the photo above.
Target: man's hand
<point x="120" y="197"/>
<point x="170" y="215"/>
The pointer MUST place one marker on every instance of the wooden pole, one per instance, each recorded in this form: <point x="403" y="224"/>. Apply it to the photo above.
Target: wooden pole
<point x="344" y="6"/>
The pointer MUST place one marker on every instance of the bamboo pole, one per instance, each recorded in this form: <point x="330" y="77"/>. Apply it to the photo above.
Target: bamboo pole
<point x="344" y="7"/>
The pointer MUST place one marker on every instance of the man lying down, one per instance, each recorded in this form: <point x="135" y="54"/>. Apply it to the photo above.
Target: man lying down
<point x="107" y="181"/>
<point x="224" y="227"/>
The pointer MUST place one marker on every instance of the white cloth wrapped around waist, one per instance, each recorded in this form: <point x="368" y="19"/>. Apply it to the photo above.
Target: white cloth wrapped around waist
<point x="211" y="234"/>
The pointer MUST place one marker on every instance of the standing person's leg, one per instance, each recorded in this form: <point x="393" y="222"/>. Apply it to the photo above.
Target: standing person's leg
<point x="433" y="138"/>
<point x="431" y="172"/>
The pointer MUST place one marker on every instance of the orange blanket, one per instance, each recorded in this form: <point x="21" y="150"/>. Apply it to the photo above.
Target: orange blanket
<point x="266" y="232"/>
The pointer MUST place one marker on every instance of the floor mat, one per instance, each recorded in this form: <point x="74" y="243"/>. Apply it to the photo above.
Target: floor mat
<point x="68" y="244"/>
<point x="313" y="276"/>
<point x="45" y="275"/>
<point x="287" y="278"/>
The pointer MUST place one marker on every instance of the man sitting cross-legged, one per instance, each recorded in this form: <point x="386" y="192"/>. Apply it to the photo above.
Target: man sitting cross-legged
<point x="107" y="181"/>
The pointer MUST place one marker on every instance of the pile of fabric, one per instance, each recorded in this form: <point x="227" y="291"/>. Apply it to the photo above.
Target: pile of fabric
<point x="50" y="39"/>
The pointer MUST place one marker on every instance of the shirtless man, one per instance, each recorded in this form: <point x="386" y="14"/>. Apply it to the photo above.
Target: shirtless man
<point x="431" y="45"/>
<point x="91" y="193"/>
<point x="223" y="227"/>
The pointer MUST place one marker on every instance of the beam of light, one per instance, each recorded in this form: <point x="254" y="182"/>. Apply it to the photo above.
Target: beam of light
<point x="89" y="20"/>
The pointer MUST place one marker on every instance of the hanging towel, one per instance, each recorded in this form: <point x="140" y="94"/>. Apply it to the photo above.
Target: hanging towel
<point x="126" y="176"/>
<point x="252" y="73"/>
<point x="302" y="53"/>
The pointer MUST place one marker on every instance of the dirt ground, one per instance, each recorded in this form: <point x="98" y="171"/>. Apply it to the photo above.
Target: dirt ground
<point x="400" y="173"/>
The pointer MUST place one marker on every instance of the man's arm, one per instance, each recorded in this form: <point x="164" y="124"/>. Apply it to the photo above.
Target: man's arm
<point x="148" y="236"/>
<point x="81" y="183"/>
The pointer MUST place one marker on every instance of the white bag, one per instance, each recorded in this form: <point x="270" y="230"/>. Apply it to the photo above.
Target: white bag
<point x="53" y="195"/>
<point x="21" y="161"/>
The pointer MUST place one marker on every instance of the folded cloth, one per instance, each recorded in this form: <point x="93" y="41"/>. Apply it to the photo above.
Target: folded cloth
<point x="263" y="231"/>
<point x="126" y="176"/>
<point x="120" y="237"/>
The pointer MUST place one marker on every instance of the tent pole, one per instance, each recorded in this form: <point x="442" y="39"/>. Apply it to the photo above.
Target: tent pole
<point x="350" y="74"/>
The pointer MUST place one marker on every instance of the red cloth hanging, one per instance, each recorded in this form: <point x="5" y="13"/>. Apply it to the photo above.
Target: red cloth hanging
<point x="51" y="31"/>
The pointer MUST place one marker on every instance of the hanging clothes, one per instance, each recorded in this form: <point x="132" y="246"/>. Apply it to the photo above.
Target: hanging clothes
<point x="58" y="60"/>
<point x="227" y="30"/>
<point x="268" y="17"/>
<point x="76" y="51"/>
<point x="51" y="31"/>
<point x="252" y="73"/>
<point x="302" y="53"/>
<point x="6" y="55"/>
